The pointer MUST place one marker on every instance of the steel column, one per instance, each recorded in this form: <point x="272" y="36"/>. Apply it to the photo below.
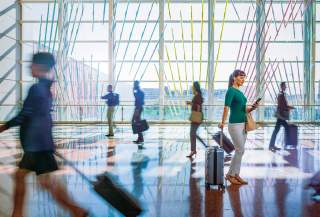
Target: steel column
<point x="260" y="64"/>
<point x="111" y="43"/>
<point x="161" y="59"/>
<point x="309" y="56"/>
<point x="211" y="6"/>
<point x="19" y="95"/>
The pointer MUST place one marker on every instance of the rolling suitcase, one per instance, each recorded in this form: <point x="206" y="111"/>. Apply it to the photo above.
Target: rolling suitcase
<point x="224" y="142"/>
<point x="113" y="193"/>
<point x="314" y="183"/>
<point x="292" y="138"/>
<point x="214" y="167"/>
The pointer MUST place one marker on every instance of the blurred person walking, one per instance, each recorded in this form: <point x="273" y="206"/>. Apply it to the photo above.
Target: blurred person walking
<point x="35" y="123"/>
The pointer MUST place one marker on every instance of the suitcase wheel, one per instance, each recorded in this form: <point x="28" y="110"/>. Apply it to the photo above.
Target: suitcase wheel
<point x="221" y="188"/>
<point x="207" y="186"/>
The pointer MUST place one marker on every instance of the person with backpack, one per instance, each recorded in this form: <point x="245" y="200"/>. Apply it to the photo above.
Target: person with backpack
<point x="112" y="100"/>
<point x="36" y="139"/>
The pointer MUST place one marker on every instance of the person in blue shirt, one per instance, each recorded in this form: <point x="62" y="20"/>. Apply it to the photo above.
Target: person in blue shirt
<point x="36" y="139"/>
<point x="139" y="103"/>
<point x="112" y="101"/>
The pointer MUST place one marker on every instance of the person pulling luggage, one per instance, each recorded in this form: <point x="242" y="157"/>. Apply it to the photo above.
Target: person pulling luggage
<point x="36" y="139"/>
<point x="237" y="103"/>
<point x="282" y="114"/>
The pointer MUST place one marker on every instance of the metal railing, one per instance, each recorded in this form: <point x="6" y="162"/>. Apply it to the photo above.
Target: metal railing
<point x="175" y="113"/>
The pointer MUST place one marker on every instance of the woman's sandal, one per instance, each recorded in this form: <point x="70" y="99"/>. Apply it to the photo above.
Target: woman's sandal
<point x="241" y="180"/>
<point x="233" y="180"/>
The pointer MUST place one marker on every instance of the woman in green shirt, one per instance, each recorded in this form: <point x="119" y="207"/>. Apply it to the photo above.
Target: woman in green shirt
<point x="237" y="103"/>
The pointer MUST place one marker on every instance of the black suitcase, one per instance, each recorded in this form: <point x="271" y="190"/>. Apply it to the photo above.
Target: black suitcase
<point x="226" y="145"/>
<point x="140" y="126"/>
<point x="111" y="191"/>
<point x="314" y="183"/>
<point x="292" y="138"/>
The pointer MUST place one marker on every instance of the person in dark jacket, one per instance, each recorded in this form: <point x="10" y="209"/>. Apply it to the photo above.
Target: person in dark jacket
<point x="196" y="105"/>
<point x="282" y="114"/>
<point x="36" y="139"/>
<point x="112" y="101"/>
<point x="139" y="102"/>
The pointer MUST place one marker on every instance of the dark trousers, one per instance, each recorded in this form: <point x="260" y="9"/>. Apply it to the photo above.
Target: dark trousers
<point x="193" y="135"/>
<point x="279" y="123"/>
<point x="137" y="117"/>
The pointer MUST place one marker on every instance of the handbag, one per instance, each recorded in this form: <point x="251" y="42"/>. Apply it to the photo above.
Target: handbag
<point x="196" y="117"/>
<point x="250" y="123"/>
<point x="140" y="126"/>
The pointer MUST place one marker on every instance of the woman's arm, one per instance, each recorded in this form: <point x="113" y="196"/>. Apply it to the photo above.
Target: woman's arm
<point x="224" y="116"/>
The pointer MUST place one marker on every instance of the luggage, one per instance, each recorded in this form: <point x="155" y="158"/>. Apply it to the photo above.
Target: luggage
<point x="116" y="100"/>
<point x="139" y="126"/>
<point x="314" y="183"/>
<point x="292" y="138"/>
<point x="111" y="192"/>
<point x="226" y="143"/>
<point x="214" y="166"/>
<point x="214" y="163"/>
<point x="315" y="180"/>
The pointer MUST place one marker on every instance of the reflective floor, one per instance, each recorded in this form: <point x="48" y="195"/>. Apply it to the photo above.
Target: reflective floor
<point x="165" y="181"/>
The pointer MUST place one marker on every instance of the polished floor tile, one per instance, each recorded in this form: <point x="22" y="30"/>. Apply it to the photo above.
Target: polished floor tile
<point x="166" y="182"/>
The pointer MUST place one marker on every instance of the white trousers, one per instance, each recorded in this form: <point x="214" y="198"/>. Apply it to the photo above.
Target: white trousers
<point x="239" y="137"/>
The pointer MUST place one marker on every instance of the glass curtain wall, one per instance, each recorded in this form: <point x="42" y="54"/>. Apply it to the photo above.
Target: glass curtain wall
<point x="317" y="50"/>
<point x="9" y="55"/>
<point x="78" y="33"/>
<point x="136" y="55"/>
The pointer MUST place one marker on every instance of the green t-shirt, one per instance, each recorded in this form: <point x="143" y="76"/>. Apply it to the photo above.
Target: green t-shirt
<point x="237" y="103"/>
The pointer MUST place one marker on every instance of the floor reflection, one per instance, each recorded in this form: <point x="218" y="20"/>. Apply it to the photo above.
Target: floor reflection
<point x="165" y="181"/>
<point x="195" y="201"/>
<point x="235" y="201"/>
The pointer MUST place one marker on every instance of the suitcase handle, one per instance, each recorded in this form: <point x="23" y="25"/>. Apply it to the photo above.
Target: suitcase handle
<point x="221" y="138"/>
<point x="72" y="166"/>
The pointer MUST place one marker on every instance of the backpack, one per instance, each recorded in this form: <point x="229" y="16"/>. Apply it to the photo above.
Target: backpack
<point x="116" y="100"/>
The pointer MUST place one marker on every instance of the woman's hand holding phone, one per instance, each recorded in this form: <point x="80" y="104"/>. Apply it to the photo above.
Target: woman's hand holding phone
<point x="256" y="103"/>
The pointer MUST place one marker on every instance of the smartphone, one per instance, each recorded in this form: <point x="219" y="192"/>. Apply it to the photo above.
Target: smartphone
<point x="258" y="100"/>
